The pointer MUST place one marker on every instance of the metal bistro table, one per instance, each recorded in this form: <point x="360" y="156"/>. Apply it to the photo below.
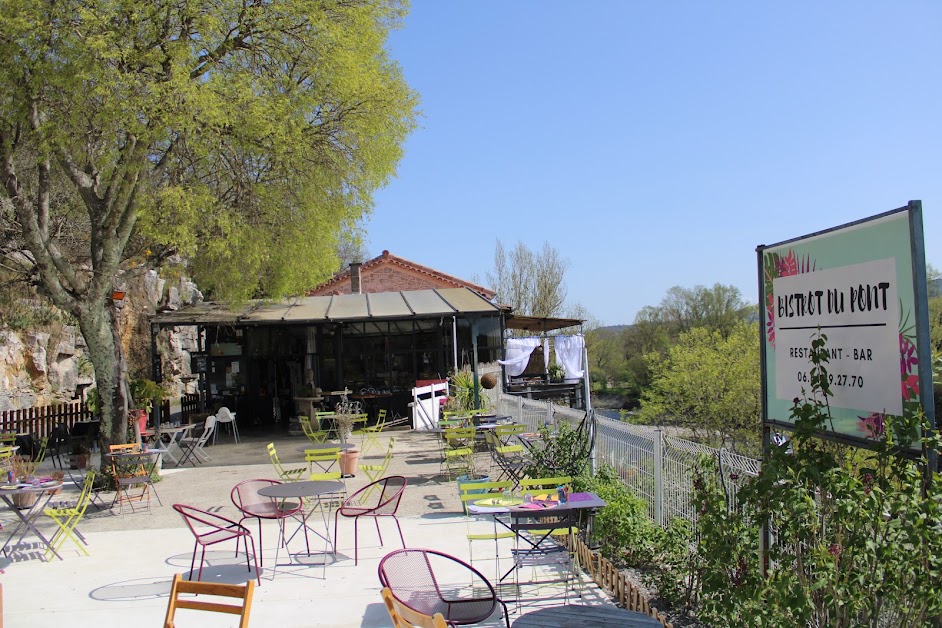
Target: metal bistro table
<point x="305" y="490"/>
<point x="320" y="446"/>
<point x="579" y="616"/>
<point x="532" y="517"/>
<point x="6" y="494"/>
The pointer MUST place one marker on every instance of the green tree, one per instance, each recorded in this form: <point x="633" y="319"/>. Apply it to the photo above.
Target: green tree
<point x="709" y="384"/>
<point x="718" y="308"/>
<point x="605" y="362"/>
<point x="244" y="135"/>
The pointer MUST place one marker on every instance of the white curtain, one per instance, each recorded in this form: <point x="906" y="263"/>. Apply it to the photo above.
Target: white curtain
<point x="518" y="354"/>
<point x="569" y="354"/>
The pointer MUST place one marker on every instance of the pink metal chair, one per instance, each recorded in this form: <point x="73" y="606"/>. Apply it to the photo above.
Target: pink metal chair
<point x="215" y="529"/>
<point x="245" y="497"/>
<point x="377" y="499"/>
<point x="410" y="574"/>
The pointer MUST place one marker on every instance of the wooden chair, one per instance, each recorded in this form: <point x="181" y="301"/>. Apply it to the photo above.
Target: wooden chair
<point x="404" y="617"/>
<point x="240" y="592"/>
<point x="129" y="448"/>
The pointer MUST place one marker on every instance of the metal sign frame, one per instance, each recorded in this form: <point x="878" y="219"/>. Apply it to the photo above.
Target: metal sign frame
<point x="824" y="278"/>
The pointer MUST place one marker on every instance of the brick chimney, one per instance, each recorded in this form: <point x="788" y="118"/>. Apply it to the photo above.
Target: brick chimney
<point x="355" y="277"/>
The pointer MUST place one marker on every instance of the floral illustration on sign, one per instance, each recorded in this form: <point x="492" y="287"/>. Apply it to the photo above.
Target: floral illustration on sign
<point x="908" y="363"/>
<point x="776" y="266"/>
<point x="872" y="426"/>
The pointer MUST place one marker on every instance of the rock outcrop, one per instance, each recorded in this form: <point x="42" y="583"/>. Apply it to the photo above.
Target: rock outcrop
<point x="50" y="365"/>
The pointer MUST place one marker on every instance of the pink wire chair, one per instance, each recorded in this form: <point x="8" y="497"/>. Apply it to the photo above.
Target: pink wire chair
<point x="410" y="576"/>
<point x="215" y="529"/>
<point x="245" y="497"/>
<point x="377" y="499"/>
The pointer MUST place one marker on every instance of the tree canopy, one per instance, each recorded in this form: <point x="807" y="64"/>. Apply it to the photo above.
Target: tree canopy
<point x="709" y="384"/>
<point x="531" y="282"/>
<point x="242" y="135"/>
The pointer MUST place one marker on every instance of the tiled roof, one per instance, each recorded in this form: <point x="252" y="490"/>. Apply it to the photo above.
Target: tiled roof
<point x="386" y="259"/>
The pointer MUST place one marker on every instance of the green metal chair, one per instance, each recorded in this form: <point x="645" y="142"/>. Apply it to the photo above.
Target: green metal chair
<point x="285" y="475"/>
<point x="316" y="437"/>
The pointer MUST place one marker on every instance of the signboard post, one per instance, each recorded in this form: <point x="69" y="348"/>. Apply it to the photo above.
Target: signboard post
<point x="863" y="285"/>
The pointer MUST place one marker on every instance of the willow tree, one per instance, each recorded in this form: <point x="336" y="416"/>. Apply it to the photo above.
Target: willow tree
<point x="240" y="135"/>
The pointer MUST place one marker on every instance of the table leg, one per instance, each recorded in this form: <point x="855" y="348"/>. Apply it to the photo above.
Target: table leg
<point x="30" y="514"/>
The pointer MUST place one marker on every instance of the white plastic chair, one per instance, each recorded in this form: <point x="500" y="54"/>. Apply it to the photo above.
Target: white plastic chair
<point x="193" y="446"/>
<point x="224" y="416"/>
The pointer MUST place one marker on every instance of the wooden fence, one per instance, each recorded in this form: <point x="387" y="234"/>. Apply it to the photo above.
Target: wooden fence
<point x="42" y="420"/>
<point x="613" y="581"/>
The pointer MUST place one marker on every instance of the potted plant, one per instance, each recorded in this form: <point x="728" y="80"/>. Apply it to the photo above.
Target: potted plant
<point x="461" y="393"/>
<point x="144" y="394"/>
<point x="556" y="372"/>
<point x="78" y="454"/>
<point x="23" y="469"/>
<point x="344" y="419"/>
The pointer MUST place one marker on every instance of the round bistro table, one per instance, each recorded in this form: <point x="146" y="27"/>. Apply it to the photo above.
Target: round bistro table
<point x="319" y="446"/>
<point x="579" y="616"/>
<point x="301" y="490"/>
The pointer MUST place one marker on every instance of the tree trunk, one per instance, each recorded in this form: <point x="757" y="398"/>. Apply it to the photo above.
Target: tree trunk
<point x="99" y="326"/>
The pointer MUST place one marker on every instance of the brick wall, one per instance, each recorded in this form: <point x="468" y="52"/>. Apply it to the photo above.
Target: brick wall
<point x="391" y="280"/>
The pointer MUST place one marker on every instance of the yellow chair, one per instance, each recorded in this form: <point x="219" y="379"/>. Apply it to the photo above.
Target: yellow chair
<point x="285" y="475"/>
<point x="358" y="427"/>
<point x="482" y="490"/>
<point x="316" y="437"/>
<point x="376" y="471"/>
<point x="404" y="617"/>
<point x="547" y="486"/>
<point x="371" y="432"/>
<point x="457" y="450"/>
<point x="506" y="432"/>
<point x="325" y="459"/>
<point x="240" y="592"/>
<point x="68" y="517"/>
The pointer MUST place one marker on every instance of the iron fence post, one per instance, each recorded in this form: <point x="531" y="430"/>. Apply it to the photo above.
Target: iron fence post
<point x="659" y="477"/>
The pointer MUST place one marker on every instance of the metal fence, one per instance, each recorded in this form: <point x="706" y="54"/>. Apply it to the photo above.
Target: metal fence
<point x="657" y="467"/>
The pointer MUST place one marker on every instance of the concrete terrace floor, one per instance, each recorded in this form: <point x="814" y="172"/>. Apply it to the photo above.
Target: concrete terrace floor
<point x="134" y="555"/>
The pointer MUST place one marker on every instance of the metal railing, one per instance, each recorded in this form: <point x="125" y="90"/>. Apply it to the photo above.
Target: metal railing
<point x="657" y="467"/>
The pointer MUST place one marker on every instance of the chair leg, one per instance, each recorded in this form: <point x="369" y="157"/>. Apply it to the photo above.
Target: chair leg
<point x="401" y="538"/>
<point x="378" y="532"/>
<point x="356" y="542"/>
<point x="261" y="545"/>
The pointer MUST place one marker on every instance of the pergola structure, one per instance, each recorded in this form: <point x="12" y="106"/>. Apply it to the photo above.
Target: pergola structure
<point x="259" y="356"/>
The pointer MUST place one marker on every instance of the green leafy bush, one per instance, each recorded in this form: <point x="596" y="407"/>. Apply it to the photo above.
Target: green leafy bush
<point x="857" y="538"/>
<point x="565" y="451"/>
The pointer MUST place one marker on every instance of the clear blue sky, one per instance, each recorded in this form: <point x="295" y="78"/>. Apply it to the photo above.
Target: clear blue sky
<point x="657" y="143"/>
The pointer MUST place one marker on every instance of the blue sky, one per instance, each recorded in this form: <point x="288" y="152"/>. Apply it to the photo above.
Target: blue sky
<point x="655" y="144"/>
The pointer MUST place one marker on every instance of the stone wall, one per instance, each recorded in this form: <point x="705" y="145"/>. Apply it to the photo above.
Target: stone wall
<point x="50" y="365"/>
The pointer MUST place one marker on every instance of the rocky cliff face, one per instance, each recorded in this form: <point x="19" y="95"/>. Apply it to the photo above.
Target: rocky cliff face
<point x="45" y="366"/>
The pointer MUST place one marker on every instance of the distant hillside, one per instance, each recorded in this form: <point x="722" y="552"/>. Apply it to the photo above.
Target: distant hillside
<point x="612" y="329"/>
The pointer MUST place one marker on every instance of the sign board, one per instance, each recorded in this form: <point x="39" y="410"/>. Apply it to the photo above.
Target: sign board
<point x="198" y="362"/>
<point x="863" y="286"/>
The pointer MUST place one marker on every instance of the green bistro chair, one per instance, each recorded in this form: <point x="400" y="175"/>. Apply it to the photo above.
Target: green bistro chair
<point x="316" y="437"/>
<point x="371" y="432"/>
<point x="285" y="475"/>
<point x="482" y="490"/>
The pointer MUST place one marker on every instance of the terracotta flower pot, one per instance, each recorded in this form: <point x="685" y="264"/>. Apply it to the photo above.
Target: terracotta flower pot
<point x="349" y="461"/>
<point x="25" y="500"/>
